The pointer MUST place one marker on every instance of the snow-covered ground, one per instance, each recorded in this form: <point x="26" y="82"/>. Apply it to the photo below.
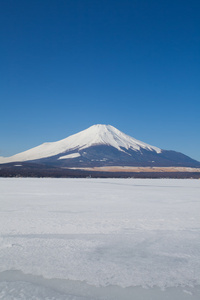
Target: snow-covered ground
<point x="92" y="239"/>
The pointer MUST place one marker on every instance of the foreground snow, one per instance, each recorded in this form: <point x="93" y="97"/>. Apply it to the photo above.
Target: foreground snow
<point x="99" y="239"/>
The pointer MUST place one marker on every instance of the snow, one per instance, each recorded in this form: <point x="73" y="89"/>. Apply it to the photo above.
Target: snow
<point x="99" y="239"/>
<point x="73" y="155"/>
<point x="94" y="135"/>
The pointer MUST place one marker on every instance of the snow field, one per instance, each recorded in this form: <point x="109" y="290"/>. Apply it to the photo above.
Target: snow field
<point x="99" y="238"/>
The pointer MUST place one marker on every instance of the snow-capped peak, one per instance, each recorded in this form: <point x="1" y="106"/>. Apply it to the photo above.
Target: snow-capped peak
<point x="95" y="135"/>
<point x="109" y="135"/>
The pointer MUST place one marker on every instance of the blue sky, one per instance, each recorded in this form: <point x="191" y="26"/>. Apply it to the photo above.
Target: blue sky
<point x="69" y="64"/>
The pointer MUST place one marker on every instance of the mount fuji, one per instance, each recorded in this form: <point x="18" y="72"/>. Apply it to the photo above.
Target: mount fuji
<point x="100" y="145"/>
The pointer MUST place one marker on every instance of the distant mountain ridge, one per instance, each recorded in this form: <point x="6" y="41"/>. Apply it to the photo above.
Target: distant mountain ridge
<point x="101" y="145"/>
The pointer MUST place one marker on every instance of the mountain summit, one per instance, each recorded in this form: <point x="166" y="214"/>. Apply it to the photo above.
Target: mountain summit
<point x="101" y="145"/>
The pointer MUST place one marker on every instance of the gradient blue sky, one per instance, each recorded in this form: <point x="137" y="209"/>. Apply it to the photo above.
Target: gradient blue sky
<point x="69" y="64"/>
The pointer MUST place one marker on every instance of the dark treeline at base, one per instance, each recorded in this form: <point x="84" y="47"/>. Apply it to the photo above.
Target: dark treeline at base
<point x="41" y="171"/>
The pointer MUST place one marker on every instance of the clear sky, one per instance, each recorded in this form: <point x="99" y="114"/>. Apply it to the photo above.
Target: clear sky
<point x="68" y="64"/>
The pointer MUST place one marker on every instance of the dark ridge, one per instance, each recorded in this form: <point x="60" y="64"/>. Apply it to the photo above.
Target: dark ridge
<point x="103" y="155"/>
<point x="36" y="171"/>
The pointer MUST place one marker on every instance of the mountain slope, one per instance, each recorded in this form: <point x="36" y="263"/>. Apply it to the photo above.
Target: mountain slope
<point x="94" y="135"/>
<point x="101" y="145"/>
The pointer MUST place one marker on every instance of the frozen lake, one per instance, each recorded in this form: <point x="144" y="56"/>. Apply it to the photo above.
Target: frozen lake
<point x="106" y="239"/>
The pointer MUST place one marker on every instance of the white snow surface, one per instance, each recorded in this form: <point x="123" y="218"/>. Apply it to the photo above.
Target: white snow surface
<point x="72" y="155"/>
<point x="99" y="239"/>
<point x="95" y="135"/>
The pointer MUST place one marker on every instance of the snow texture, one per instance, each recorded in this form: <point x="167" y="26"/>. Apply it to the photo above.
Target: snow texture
<point x="94" y="135"/>
<point x="72" y="155"/>
<point x="99" y="239"/>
